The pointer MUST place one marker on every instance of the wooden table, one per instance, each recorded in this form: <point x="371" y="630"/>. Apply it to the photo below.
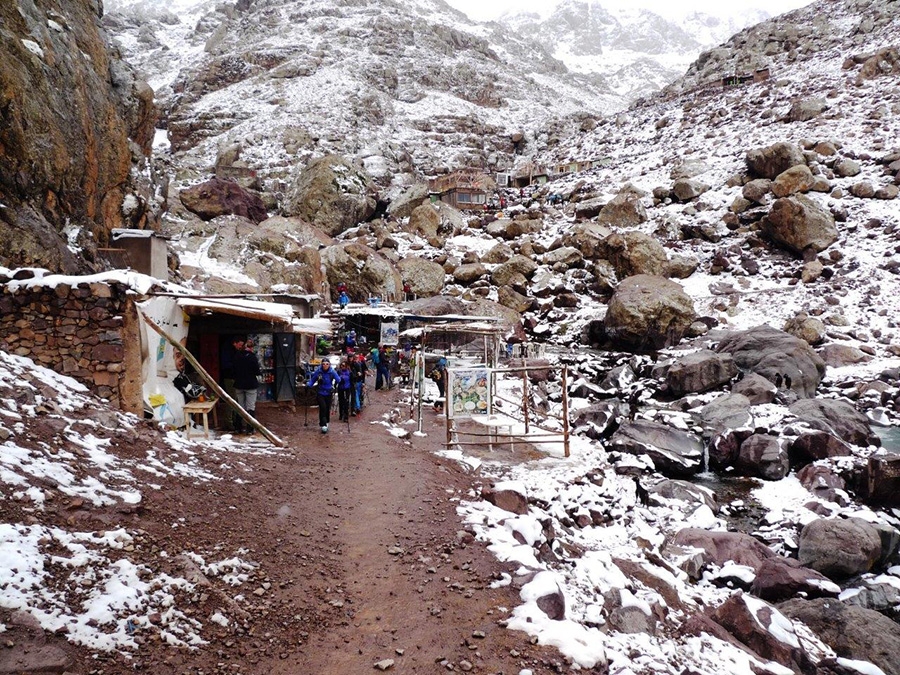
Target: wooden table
<point x="494" y="423"/>
<point x="199" y="408"/>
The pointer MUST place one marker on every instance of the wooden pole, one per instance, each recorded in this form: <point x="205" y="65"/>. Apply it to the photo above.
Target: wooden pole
<point x="525" y="398"/>
<point x="213" y="384"/>
<point x="565" y="408"/>
<point x="446" y="376"/>
<point x="420" y="379"/>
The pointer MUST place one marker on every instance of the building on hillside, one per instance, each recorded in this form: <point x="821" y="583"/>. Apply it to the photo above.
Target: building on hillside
<point x="143" y="251"/>
<point x="530" y="174"/>
<point x="736" y="80"/>
<point x="464" y="189"/>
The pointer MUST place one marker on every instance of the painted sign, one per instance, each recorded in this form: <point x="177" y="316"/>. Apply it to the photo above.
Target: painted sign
<point x="469" y="391"/>
<point x="390" y="332"/>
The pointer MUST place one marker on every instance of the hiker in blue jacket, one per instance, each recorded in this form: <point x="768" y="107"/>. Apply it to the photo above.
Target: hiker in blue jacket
<point x="324" y="380"/>
<point x="344" y="387"/>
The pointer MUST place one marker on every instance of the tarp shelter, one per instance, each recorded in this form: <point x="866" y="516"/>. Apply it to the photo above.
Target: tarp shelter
<point x="206" y="325"/>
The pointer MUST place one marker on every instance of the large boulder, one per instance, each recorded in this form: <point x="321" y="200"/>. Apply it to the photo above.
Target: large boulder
<point x="648" y="313"/>
<point x="506" y="273"/>
<point x="217" y="197"/>
<point x="332" y="194"/>
<point x="634" y="252"/>
<point x="365" y="272"/>
<point x="756" y="388"/>
<point x="787" y="362"/>
<point x="469" y="273"/>
<point x="684" y="491"/>
<point x="782" y="578"/>
<point x="764" y="457"/>
<point x="513" y="229"/>
<point x="839" y="548"/>
<point x="426" y="222"/>
<point x="765" y="630"/>
<point x="729" y="411"/>
<point x="439" y="305"/>
<point x="587" y="238"/>
<point x="686" y="189"/>
<point x="805" y="109"/>
<point x="674" y="452"/>
<point x="700" y="372"/>
<point x="852" y="632"/>
<point x="796" y="179"/>
<point x="285" y="237"/>
<point x="425" y="278"/>
<point x="823" y="483"/>
<point x="408" y="201"/>
<point x="799" y="224"/>
<point x="624" y="210"/>
<point x="811" y="446"/>
<point x="773" y="160"/>
<point x="807" y="328"/>
<point x="836" y="417"/>
<point x="720" y="547"/>
<point x="884" y="479"/>
<point x="508" y="319"/>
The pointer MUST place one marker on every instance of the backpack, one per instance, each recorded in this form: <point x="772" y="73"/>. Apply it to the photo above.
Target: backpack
<point x="437" y="374"/>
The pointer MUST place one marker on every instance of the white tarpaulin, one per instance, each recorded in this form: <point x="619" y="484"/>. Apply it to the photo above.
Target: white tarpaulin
<point x="158" y="368"/>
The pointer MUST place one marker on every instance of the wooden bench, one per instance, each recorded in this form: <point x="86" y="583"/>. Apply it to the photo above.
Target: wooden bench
<point x="199" y="408"/>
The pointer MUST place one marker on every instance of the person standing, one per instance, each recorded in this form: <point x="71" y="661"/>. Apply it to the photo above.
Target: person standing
<point x="324" y="380"/>
<point x="245" y="368"/>
<point x="343" y="299"/>
<point x="439" y="377"/>
<point x="344" y="389"/>
<point x="358" y="371"/>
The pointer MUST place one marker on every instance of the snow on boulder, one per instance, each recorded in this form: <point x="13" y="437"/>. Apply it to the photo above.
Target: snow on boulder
<point x="765" y="630"/>
<point x="425" y="278"/>
<point x="853" y="632"/>
<point x="648" y="313"/>
<point x="332" y="194"/>
<point x="634" y="252"/>
<point x="836" y="417"/>
<point x="756" y="388"/>
<point x="773" y="160"/>
<point x="365" y="272"/>
<point x="545" y="592"/>
<point x="783" y="578"/>
<point x="798" y="224"/>
<point x="506" y="496"/>
<point x="700" y="372"/>
<point x="728" y="411"/>
<point x="786" y="361"/>
<point x="839" y="548"/>
<point x="763" y="456"/>
<point x="811" y="446"/>
<point x="625" y="209"/>
<point x="425" y="221"/>
<point x="796" y="179"/>
<point x="674" y="452"/>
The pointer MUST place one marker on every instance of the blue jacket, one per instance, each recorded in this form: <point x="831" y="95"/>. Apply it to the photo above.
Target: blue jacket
<point x="324" y="379"/>
<point x="343" y="379"/>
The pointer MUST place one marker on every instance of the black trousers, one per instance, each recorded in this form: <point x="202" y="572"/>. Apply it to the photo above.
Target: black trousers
<point x="324" y="401"/>
<point x="344" y="404"/>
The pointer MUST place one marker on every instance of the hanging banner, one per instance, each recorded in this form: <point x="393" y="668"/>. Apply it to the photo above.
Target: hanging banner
<point x="469" y="391"/>
<point x="390" y="332"/>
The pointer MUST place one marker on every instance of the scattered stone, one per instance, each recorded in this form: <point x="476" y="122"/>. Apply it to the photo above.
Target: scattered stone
<point x="385" y="664"/>
<point x="648" y="312"/>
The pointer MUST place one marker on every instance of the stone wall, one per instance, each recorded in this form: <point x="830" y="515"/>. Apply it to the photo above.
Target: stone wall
<point x="88" y="331"/>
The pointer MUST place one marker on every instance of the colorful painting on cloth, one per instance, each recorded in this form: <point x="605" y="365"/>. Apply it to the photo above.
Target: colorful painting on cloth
<point x="469" y="391"/>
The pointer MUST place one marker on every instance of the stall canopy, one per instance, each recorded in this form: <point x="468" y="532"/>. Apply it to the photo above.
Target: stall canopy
<point x="273" y="312"/>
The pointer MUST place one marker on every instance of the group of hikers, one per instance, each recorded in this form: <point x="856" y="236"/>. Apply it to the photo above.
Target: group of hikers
<point x="348" y="379"/>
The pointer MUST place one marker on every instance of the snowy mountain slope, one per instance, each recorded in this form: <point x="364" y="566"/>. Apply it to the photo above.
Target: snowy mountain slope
<point x="636" y="50"/>
<point x="410" y="88"/>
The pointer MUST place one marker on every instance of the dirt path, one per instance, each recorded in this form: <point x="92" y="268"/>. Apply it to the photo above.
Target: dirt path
<point x="361" y="559"/>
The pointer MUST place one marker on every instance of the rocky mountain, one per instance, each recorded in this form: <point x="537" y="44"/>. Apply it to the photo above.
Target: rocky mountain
<point x="407" y="88"/>
<point x="636" y="50"/>
<point x="76" y="125"/>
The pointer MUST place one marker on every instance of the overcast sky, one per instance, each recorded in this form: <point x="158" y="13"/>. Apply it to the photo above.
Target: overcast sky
<point x="483" y="10"/>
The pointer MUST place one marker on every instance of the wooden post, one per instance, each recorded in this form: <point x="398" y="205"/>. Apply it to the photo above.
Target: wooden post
<point x="447" y="406"/>
<point x="525" y="397"/>
<point x="213" y="384"/>
<point x="565" y="408"/>
<point x="420" y="379"/>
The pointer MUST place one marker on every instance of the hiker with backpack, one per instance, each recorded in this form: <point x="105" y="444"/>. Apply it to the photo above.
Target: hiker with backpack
<point x="324" y="381"/>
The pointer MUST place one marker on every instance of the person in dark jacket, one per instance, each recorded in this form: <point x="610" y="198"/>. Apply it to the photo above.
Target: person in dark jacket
<point x="245" y="368"/>
<point x="324" y="380"/>
<point x="344" y="389"/>
<point x="358" y="372"/>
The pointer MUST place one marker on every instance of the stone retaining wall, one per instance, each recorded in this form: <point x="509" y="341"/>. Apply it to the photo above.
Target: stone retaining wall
<point x="89" y="332"/>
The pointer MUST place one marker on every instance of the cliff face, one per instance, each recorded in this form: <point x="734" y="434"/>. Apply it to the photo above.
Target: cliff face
<point x="74" y="120"/>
